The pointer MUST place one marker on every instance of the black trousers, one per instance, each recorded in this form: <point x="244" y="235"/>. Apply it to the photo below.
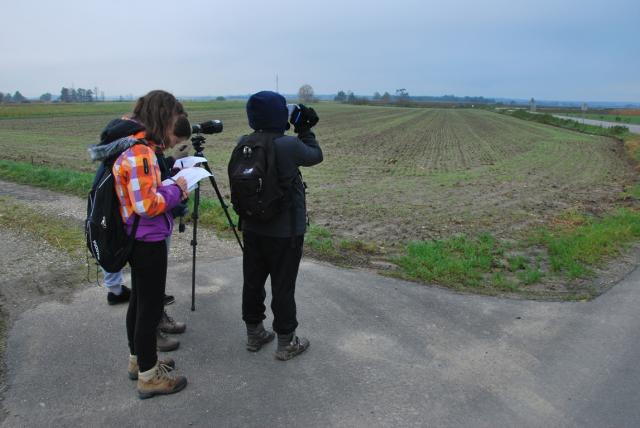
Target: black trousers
<point x="148" y="262"/>
<point x="276" y="257"/>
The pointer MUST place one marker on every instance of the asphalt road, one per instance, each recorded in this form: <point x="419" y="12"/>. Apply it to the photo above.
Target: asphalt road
<point x="383" y="353"/>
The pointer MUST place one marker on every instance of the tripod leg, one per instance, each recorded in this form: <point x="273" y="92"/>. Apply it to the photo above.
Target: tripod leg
<point x="194" y="244"/>
<point x="223" y="204"/>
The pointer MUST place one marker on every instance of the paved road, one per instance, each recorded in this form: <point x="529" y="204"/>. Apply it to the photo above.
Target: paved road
<point x="383" y="353"/>
<point x="632" y="128"/>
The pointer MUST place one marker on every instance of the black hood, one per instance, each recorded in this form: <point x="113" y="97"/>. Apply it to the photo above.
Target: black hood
<point x="119" y="128"/>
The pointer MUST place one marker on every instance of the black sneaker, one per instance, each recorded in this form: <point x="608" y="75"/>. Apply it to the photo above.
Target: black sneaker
<point x="114" y="299"/>
<point x="167" y="300"/>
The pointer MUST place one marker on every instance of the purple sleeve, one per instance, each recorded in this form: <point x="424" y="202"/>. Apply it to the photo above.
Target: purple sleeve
<point x="171" y="195"/>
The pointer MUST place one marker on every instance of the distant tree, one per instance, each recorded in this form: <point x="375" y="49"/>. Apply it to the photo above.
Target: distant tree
<point x="46" y="97"/>
<point x="377" y="96"/>
<point x="402" y="94"/>
<point x="305" y="93"/>
<point x="351" y="98"/>
<point x="1" y="97"/>
<point x="386" y="97"/>
<point x="340" y="97"/>
<point x="7" y="98"/>
<point x="221" y="98"/>
<point x="19" y="98"/>
<point x="65" y="95"/>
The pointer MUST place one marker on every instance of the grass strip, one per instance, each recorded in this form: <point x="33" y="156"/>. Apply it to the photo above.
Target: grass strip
<point x="572" y="247"/>
<point x="620" y="132"/>
<point x="62" y="180"/>
<point x="585" y="242"/>
<point x="457" y="261"/>
<point x="79" y="183"/>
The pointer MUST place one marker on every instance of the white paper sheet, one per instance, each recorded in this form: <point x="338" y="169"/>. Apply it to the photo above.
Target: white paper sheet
<point x="189" y="161"/>
<point x="193" y="175"/>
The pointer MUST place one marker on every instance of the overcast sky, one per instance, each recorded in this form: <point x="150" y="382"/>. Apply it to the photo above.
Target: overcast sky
<point x="547" y="49"/>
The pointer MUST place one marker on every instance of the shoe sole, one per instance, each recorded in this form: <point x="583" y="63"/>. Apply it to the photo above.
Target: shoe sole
<point x="257" y="347"/>
<point x="145" y="395"/>
<point x="287" y="357"/>
<point x="169" y="349"/>
<point x="168" y="331"/>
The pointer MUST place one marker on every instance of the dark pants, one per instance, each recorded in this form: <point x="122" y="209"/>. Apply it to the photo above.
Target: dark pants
<point x="148" y="262"/>
<point x="276" y="257"/>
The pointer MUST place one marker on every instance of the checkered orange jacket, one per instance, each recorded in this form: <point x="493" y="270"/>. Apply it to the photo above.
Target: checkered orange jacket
<point x="137" y="179"/>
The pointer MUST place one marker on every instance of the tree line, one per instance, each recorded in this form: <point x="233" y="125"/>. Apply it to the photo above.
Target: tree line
<point x="67" y="95"/>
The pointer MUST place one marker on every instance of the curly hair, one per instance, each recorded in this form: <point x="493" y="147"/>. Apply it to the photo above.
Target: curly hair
<point x="156" y="110"/>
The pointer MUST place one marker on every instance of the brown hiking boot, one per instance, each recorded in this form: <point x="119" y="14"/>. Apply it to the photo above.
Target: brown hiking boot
<point x="158" y="381"/>
<point x="290" y="345"/>
<point x="132" y="369"/>
<point x="166" y="344"/>
<point x="171" y="326"/>
<point x="258" y="336"/>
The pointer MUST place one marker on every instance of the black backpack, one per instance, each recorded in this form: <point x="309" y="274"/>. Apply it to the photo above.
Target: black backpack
<point x="256" y="193"/>
<point x="106" y="237"/>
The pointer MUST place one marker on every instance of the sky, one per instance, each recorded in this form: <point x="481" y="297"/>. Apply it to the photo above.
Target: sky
<point x="550" y="50"/>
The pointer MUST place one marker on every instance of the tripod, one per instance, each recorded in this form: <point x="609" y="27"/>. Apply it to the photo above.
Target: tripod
<point x="198" y="142"/>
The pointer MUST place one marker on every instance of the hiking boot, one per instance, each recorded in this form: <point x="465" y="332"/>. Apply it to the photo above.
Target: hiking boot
<point x="167" y="300"/>
<point x="123" y="297"/>
<point x="158" y="381"/>
<point x="166" y="344"/>
<point x="258" y="336"/>
<point x="171" y="326"/>
<point x="132" y="369"/>
<point x="290" y="345"/>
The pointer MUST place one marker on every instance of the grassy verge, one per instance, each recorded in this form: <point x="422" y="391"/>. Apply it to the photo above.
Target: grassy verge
<point x="567" y="250"/>
<point x="62" y="234"/>
<point x="619" y="132"/>
<point x="581" y="242"/>
<point x="79" y="183"/>
<point x="62" y="180"/>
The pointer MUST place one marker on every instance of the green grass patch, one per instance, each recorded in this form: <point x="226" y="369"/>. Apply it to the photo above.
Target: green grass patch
<point x="529" y="276"/>
<point x="573" y="249"/>
<point x="320" y="241"/>
<point x="632" y="192"/>
<point x="458" y="261"/>
<point x="63" y="180"/>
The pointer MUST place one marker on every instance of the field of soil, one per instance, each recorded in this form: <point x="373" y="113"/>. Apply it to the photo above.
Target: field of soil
<point x="389" y="174"/>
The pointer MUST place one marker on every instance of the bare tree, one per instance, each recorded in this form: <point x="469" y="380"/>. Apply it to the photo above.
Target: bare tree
<point x="305" y="93"/>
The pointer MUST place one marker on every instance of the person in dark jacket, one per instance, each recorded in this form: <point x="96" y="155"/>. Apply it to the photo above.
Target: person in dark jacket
<point x="274" y="248"/>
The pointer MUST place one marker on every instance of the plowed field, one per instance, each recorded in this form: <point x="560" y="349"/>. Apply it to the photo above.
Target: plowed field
<point x="392" y="174"/>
